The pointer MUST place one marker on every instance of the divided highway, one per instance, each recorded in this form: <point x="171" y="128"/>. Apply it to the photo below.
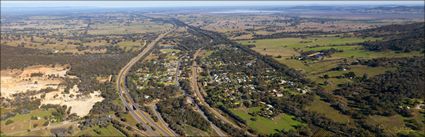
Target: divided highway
<point x="159" y="128"/>
<point x="216" y="129"/>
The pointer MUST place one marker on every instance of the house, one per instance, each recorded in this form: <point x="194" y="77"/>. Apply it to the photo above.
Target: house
<point x="147" y="96"/>
<point x="279" y="95"/>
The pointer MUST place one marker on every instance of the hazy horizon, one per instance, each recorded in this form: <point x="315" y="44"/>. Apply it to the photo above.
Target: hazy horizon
<point x="124" y="4"/>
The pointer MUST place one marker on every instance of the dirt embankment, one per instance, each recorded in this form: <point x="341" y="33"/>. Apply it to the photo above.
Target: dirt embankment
<point x="50" y="79"/>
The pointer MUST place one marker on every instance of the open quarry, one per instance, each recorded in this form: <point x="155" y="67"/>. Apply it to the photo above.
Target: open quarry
<point x="47" y="83"/>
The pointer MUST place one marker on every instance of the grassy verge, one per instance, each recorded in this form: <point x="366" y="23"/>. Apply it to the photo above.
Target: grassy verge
<point x="100" y="131"/>
<point x="191" y="131"/>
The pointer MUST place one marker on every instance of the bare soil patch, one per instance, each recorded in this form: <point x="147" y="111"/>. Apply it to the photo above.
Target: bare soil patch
<point x="49" y="79"/>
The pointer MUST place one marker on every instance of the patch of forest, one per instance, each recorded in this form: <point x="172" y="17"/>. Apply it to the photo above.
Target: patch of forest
<point x="177" y="113"/>
<point x="393" y="93"/>
<point x="87" y="67"/>
<point x="387" y="94"/>
<point x="403" y="38"/>
<point x="391" y="30"/>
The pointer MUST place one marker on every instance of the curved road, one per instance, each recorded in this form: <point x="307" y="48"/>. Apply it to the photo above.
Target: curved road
<point x="159" y="129"/>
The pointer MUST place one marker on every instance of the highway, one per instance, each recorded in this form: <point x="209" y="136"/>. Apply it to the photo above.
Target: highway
<point x="160" y="128"/>
<point x="196" y="107"/>
<point x="134" y="128"/>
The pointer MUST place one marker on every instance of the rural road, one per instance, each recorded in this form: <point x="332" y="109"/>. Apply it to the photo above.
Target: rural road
<point x="160" y="129"/>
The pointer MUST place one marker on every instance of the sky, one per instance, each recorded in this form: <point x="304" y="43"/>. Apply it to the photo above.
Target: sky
<point x="193" y="3"/>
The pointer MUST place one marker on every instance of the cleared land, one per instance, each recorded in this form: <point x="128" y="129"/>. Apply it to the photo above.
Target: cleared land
<point x="392" y="124"/>
<point x="120" y="28"/>
<point x="322" y="107"/>
<point x="49" y="80"/>
<point x="239" y="26"/>
<point x="24" y="122"/>
<point x="287" y="50"/>
<point x="264" y="125"/>
<point x="101" y="131"/>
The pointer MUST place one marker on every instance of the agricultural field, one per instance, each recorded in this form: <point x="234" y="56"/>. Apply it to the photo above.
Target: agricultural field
<point x="336" y="62"/>
<point x="129" y="28"/>
<point x="80" y="35"/>
<point x="287" y="47"/>
<point x="393" y="124"/>
<point x="288" y="50"/>
<point x="238" y="25"/>
<point x="324" y="108"/>
<point x="280" y="122"/>
<point x="22" y="123"/>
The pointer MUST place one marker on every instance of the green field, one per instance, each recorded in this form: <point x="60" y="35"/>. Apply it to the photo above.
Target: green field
<point x="23" y="122"/>
<point x="397" y="124"/>
<point x="130" y="119"/>
<point x="192" y="131"/>
<point x="264" y="125"/>
<point x="324" y="108"/>
<point x="130" y="44"/>
<point x="31" y="133"/>
<point x="98" y="131"/>
<point x="392" y="124"/>
<point x="359" y="70"/>
<point x="285" y="46"/>
<point x="313" y="69"/>
<point x="300" y="42"/>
